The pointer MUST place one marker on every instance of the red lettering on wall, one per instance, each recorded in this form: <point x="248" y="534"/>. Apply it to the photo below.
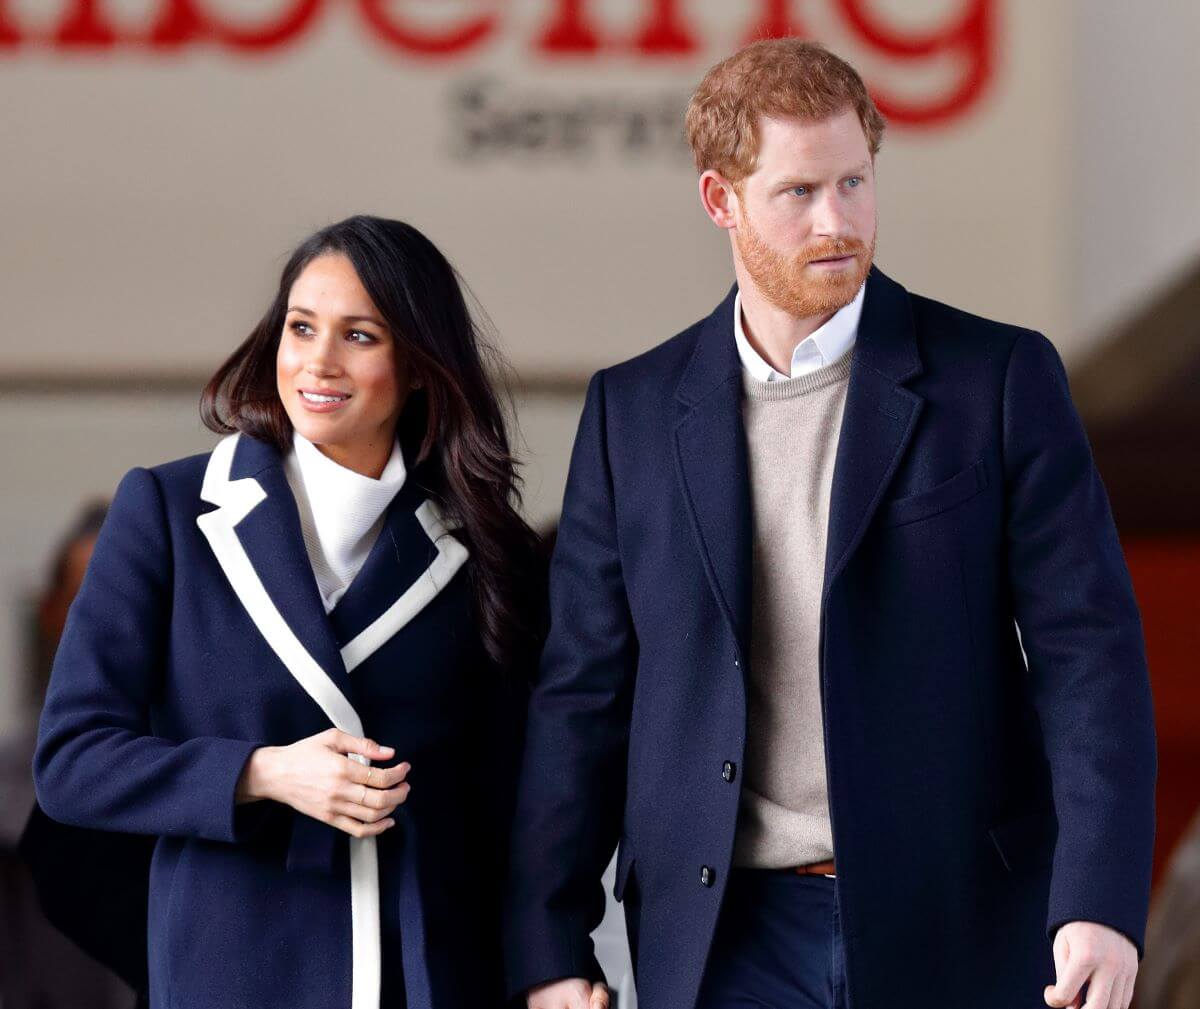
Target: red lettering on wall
<point x="183" y="21"/>
<point x="665" y="34"/>
<point x="570" y="33"/>
<point x="777" y="22"/>
<point x="82" y="27"/>
<point x="666" y="31"/>
<point x="425" y="43"/>
<point x="9" y="34"/>
<point x="973" y="36"/>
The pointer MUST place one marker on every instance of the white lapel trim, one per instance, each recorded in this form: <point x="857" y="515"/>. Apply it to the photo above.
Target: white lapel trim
<point x="451" y="555"/>
<point x="236" y="499"/>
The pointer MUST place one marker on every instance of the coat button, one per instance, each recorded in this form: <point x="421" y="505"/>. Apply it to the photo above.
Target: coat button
<point x="729" y="770"/>
<point x="707" y="876"/>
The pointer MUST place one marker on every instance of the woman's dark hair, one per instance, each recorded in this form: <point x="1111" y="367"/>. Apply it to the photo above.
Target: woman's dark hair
<point x="452" y="428"/>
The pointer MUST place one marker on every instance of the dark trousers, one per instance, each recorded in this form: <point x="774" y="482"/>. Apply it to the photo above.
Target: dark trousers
<point x="778" y="945"/>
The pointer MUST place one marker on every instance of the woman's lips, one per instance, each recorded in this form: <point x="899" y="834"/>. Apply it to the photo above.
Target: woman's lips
<point x="323" y="402"/>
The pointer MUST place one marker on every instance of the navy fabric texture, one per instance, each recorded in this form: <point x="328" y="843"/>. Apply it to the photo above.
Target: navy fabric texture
<point x="162" y="688"/>
<point x="977" y="803"/>
<point x="778" y="945"/>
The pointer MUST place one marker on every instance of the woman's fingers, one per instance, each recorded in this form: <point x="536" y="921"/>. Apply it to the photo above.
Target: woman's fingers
<point x="379" y="798"/>
<point x="343" y="742"/>
<point x="376" y="777"/>
<point x="363" y="814"/>
<point x="355" y="828"/>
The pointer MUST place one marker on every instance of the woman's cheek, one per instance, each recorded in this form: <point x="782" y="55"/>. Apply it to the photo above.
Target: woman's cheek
<point x="380" y="380"/>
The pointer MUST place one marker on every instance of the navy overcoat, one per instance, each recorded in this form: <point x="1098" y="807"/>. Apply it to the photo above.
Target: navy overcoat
<point x="977" y="802"/>
<point x="198" y="635"/>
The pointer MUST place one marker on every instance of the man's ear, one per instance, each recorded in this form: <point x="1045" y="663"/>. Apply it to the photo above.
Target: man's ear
<point x="719" y="198"/>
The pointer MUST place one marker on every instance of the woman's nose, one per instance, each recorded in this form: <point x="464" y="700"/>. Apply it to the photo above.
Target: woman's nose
<point x="322" y="361"/>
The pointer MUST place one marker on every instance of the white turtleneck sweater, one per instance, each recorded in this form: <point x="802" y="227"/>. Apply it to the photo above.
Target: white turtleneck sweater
<point x="341" y="512"/>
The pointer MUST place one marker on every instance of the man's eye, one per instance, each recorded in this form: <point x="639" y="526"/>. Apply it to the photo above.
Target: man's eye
<point x="799" y="190"/>
<point x="854" y="181"/>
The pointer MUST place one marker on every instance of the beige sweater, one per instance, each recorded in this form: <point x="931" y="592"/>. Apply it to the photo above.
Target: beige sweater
<point x="792" y="429"/>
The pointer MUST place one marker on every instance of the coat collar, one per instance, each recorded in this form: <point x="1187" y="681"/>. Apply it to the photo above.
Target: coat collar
<point x="256" y="536"/>
<point x="710" y="442"/>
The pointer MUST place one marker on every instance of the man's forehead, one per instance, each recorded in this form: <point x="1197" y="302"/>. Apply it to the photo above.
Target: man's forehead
<point x="835" y="143"/>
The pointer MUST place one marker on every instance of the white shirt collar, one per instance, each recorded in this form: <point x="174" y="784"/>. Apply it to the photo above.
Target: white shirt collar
<point x="341" y="511"/>
<point x="821" y="347"/>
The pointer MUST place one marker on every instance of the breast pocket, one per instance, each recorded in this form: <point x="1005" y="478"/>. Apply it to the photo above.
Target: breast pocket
<point x="946" y="495"/>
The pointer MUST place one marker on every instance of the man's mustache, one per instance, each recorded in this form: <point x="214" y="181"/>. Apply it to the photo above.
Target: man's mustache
<point x="831" y="249"/>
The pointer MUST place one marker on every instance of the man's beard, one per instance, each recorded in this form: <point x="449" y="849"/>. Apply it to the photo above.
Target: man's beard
<point x="786" y="283"/>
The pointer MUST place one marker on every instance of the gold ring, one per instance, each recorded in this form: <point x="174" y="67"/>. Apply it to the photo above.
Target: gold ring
<point x="363" y="800"/>
<point x="369" y="770"/>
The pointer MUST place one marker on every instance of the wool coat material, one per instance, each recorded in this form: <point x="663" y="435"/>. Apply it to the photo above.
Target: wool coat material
<point x="978" y="801"/>
<point x="199" y="635"/>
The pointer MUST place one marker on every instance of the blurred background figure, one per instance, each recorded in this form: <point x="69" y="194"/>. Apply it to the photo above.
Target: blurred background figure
<point x="40" y="968"/>
<point x="1170" y="974"/>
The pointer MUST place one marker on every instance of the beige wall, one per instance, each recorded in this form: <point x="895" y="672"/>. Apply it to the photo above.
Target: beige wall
<point x="150" y="196"/>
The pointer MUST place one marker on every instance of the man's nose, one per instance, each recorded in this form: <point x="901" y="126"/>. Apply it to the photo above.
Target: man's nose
<point x="829" y="217"/>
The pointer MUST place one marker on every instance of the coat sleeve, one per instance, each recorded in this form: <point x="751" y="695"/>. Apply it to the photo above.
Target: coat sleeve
<point x="572" y="784"/>
<point x="97" y="762"/>
<point x="1082" y="635"/>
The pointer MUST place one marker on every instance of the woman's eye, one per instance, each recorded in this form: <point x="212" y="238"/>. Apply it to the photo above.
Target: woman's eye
<point x="303" y="328"/>
<point x="358" y="336"/>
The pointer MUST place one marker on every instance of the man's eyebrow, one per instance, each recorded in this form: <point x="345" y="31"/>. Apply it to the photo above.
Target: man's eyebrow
<point x="345" y="318"/>
<point x="795" y="180"/>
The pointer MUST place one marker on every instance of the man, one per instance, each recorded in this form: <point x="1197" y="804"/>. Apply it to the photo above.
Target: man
<point x="797" y="543"/>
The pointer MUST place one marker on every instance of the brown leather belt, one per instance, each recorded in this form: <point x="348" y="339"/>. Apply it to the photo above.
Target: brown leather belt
<point x="814" y="869"/>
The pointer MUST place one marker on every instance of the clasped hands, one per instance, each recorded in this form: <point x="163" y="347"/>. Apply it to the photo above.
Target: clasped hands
<point x="318" y="777"/>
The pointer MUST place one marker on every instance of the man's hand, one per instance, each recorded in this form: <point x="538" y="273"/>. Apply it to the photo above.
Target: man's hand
<point x="569" y="993"/>
<point x="1085" y="951"/>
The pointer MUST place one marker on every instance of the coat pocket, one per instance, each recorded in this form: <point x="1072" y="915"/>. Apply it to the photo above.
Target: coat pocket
<point x="1026" y="841"/>
<point x="946" y="495"/>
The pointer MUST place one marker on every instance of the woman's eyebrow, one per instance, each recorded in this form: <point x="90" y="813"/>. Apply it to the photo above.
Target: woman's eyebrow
<point x="345" y="318"/>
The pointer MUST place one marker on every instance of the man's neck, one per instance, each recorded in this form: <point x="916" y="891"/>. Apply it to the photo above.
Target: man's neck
<point x="772" y="332"/>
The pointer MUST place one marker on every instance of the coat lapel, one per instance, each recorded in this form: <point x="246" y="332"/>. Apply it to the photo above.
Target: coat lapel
<point x="710" y="457"/>
<point x="256" y="537"/>
<point x="413" y="559"/>
<point x="878" y="421"/>
<point x="710" y="443"/>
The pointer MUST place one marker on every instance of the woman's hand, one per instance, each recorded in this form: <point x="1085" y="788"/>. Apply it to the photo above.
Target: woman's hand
<point x="316" y="777"/>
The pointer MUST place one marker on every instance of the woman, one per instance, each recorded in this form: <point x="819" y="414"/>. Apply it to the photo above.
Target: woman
<point x="298" y="659"/>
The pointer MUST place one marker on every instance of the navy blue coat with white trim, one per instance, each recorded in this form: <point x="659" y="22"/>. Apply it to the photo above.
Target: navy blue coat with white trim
<point x="976" y="804"/>
<point x="198" y="635"/>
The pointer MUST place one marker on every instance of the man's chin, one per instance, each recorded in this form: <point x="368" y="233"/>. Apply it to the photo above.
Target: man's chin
<point x="824" y="295"/>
